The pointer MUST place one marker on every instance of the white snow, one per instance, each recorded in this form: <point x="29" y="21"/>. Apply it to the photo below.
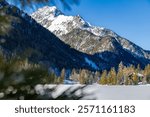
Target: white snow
<point x="40" y="89"/>
<point x="121" y="92"/>
<point x="60" y="23"/>
<point x="70" y="82"/>
<point x="49" y="10"/>
<point x="96" y="91"/>
<point x="91" y="63"/>
<point x="98" y="31"/>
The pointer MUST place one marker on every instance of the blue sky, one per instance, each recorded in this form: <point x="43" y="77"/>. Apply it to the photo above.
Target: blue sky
<point x="128" y="18"/>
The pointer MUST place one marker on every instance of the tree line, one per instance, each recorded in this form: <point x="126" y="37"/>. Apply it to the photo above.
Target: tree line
<point x="18" y="77"/>
<point x="123" y="75"/>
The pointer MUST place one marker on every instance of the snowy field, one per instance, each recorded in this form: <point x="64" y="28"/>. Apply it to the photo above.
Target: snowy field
<point x="95" y="91"/>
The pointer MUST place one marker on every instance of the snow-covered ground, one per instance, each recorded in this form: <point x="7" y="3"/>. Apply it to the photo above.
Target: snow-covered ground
<point x="95" y="91"/>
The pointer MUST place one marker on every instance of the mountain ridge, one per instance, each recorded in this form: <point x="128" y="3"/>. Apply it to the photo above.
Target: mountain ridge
<point x="61" y="25"/>
<point x="81" y="35"/>
<point x="23" y="36"/>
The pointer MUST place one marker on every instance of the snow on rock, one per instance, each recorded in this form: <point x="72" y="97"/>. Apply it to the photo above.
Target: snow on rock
<point x="55" y="21"/>
<point x="91" y="63"/>
<point x="60" y="24"/>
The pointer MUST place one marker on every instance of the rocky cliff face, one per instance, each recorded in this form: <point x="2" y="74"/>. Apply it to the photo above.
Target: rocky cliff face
<point x="99" y="41"/>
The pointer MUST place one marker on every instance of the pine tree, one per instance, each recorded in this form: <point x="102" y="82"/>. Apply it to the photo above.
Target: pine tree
<point x="126" y="80"/>
<point x="109" y="78"/>
<point x="135" y="79"/>
<point x="121" y="66"/>
<point x="147" y="73"/>
<point x="103" y="78"/>
<point x="138" y="68"/>
<point x="62" y="76"/>
<point x="82" y="76"/>
<point x="90" y="78"/>
<point x="114" y="76"/>
<point x="74" y="75"/>
<point x="96" y="76"/>
<point x="120" y="75"/>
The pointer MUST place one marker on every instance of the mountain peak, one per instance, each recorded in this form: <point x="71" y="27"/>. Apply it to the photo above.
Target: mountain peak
<point x="78" y="33"/>
<point x="57" y="22"/>
<point x="19" y="34"/>
<point x="51" y="10"/>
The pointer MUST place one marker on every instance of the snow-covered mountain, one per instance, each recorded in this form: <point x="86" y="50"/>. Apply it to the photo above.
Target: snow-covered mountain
<point x="79" y="34"/>
<point x="22" y="36"/>
<point x="54" y="20"/>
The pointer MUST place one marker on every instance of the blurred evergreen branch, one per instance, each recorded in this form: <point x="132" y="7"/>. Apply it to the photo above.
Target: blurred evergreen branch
<point x="19" y="78"/>
<point x="66" y="3"/>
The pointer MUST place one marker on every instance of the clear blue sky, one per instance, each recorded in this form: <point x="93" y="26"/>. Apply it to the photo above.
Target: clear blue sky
<point x="128" y="18"/>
